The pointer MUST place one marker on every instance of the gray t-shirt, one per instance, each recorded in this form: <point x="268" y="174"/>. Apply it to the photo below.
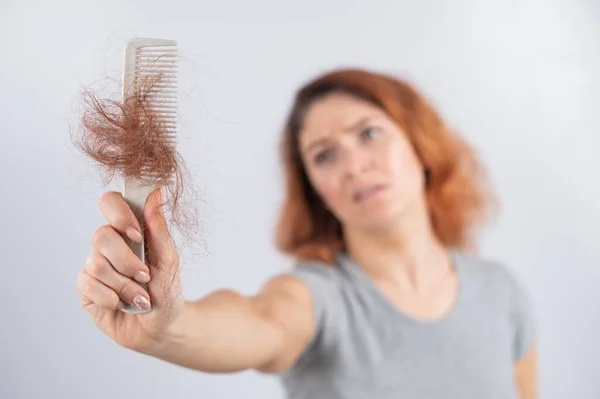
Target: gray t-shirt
<point x="365" y="348"/>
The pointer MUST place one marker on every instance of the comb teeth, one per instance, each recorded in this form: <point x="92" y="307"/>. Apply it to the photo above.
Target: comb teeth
<point x="162" y="97"/>
<point x="147" y="59"/>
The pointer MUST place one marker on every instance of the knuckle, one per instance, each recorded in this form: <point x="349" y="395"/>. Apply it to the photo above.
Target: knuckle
<point x="101" y="236"/>
<point x="105" y="198"/>
<point x="79" y="281"/>
<point x="86" y="284"/>
<point x="96" y="267"/>
<point x="109" y="300"/>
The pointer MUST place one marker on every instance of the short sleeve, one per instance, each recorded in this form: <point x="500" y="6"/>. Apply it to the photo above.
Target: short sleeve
<point x="522" y="315"/>
<point x="322" y="283"/>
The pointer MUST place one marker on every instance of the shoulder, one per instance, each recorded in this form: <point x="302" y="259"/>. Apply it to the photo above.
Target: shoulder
<point x="306" y="295"/>
<point x="327" y="286"/>
<point x="491" y="274"/>
<point x="302" y="275"/>
<point x="312" y="282"/>
<point x="324" y="282"/>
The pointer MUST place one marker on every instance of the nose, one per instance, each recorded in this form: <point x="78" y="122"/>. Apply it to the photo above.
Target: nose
<point x="355" y="163"/>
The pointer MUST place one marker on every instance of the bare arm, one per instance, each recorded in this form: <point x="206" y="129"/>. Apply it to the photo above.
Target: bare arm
<point x="227" y="332"/>
<point x="526" y="375"/>
<point x="224" y="332"/>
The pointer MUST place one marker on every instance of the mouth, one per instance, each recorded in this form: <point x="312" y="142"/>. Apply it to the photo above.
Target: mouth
<point x="368" y="192"/>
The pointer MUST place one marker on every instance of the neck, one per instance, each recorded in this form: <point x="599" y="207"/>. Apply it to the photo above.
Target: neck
<point x="408" y="253"/>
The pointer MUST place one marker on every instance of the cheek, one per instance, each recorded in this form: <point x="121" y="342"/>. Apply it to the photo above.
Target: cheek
<point x="404" y="165"/>
<point x="328" y="187"/>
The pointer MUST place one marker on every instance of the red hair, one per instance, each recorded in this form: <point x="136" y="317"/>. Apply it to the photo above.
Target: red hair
<point x="458" y="197"/>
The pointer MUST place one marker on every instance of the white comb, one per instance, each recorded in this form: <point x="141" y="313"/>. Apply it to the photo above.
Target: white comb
<point x="144" y="58"/>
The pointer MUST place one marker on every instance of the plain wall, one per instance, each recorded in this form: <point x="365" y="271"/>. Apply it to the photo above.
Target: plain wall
<point x="519" y="79"/>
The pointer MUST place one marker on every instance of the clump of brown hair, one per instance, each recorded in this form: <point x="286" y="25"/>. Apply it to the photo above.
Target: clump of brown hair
<point x="459" y="197"/>
<point x="129" y="138"/>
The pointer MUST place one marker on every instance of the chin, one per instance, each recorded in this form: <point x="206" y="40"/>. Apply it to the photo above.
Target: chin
<point x="383" y="218"/>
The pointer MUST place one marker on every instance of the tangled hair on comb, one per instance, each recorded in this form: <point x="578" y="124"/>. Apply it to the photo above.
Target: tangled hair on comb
<point x="128" y="138"/>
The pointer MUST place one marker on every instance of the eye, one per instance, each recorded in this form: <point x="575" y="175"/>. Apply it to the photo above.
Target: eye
<point x="369" y="133"/>
<point x="324" y="156"/>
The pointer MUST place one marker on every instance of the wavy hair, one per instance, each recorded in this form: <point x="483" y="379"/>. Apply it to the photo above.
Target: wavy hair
<point x="458" y="195"/>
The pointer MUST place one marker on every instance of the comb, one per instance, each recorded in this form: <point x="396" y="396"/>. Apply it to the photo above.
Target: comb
<point x="144" y="58"/>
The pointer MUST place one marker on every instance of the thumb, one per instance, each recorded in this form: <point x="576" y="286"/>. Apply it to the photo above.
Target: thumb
<point x="160" y="246"/>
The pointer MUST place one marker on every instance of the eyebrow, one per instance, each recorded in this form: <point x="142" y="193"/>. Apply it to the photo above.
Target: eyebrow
<point x="356" y="126"/>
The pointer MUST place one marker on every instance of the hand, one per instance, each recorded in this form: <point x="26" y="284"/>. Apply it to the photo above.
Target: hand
<point x="109" y="277"/>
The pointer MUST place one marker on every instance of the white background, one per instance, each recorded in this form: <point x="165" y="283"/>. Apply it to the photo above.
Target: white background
<point x="519" y="79"/>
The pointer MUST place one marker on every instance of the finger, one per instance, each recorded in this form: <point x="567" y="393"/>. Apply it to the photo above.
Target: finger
<point x="92" y="291"/>
<point x="113" y="247"/>
<point x="100" y="268"/>
<point x="120" y="216"/>
<point x="158" y="239"/>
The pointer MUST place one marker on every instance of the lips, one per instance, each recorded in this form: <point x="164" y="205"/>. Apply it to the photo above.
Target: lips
<point x="368" y="192"/>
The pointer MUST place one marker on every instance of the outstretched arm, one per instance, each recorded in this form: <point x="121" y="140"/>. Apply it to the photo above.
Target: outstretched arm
<point x="228" y="332"/>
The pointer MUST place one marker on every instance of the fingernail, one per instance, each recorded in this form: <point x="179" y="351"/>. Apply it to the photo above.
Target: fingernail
<point x="141" y="277"/>
<point x="133" y="234"/>
<point x="141" y="302"/>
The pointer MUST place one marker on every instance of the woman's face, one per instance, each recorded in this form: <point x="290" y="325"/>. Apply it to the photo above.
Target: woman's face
<point x="359" y="162"/>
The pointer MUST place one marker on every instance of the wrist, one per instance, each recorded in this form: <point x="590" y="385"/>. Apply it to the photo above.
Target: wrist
<point x="172" y="337"/>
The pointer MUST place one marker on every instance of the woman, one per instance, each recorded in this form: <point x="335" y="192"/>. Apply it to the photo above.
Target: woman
<point x="386" y="301"/>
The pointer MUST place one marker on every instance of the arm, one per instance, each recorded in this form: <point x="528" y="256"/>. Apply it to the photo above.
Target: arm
<point x="227" y="332"/>
<point x="526" y="375"/>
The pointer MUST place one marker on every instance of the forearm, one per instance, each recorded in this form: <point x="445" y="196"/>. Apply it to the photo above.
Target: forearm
<point x="221" y="333"/>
